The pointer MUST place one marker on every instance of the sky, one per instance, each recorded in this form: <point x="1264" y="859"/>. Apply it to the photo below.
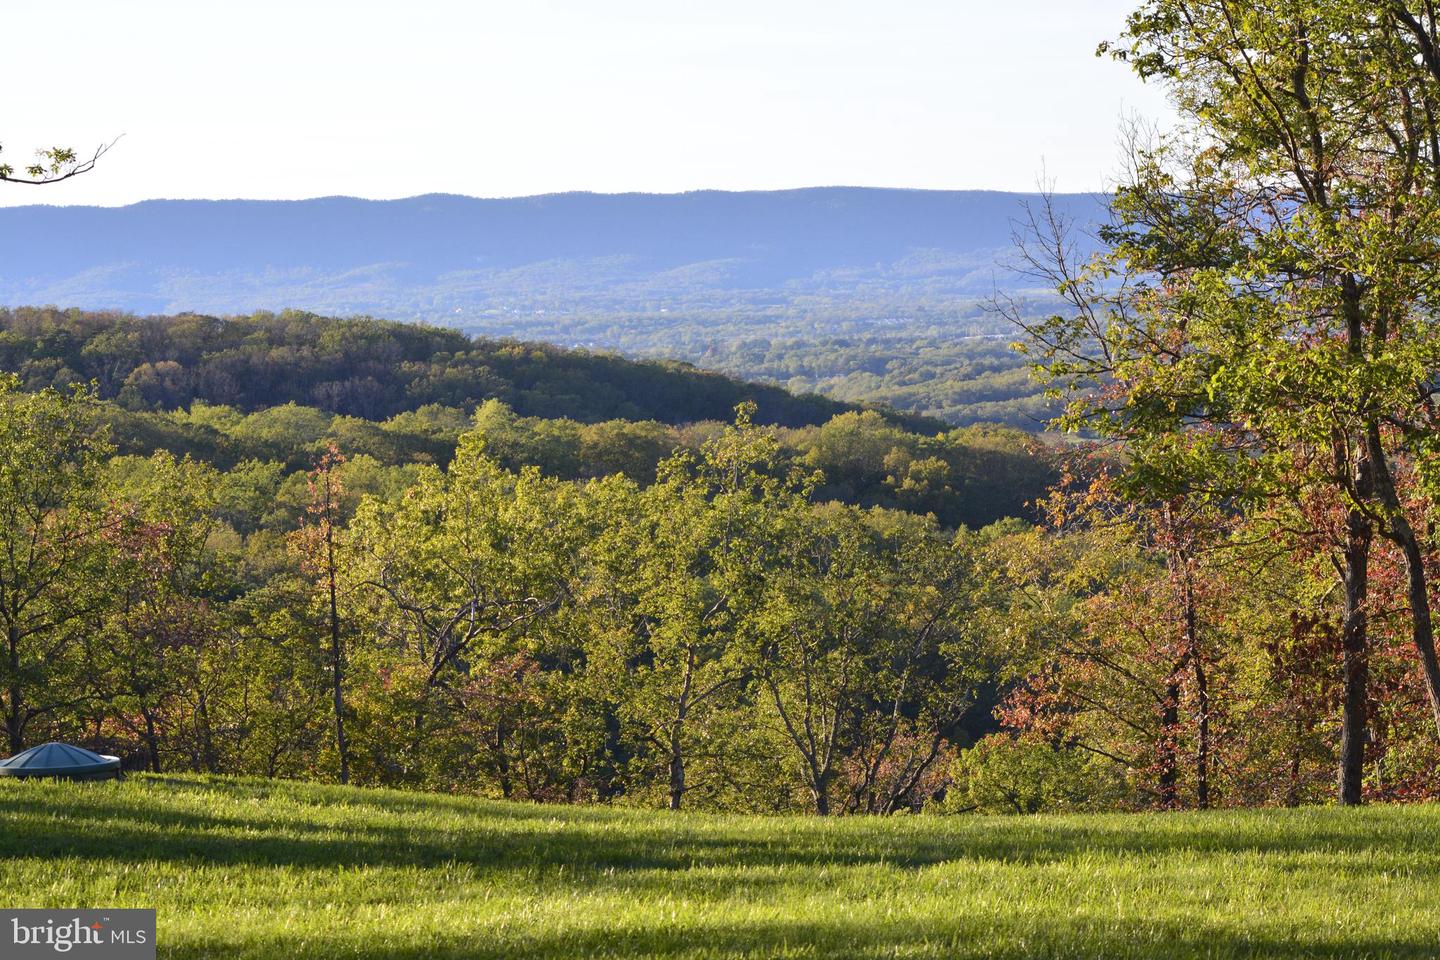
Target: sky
<point x="300" y="98"/>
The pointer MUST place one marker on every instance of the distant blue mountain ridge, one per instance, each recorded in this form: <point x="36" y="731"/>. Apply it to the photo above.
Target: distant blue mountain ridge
<point x="461" y="259"/>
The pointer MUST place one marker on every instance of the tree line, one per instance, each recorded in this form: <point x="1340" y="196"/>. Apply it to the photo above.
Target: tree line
<point x="970" y="476"/>
<point x="715" y="637"/>
<point x="366" y="368"/>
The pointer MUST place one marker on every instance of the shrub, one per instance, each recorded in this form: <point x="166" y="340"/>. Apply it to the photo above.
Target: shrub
<point x="1003" y="773"/>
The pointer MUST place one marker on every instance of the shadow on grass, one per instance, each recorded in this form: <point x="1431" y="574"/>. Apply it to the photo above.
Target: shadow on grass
<point x="155" y="820"/>
<point x="839" y="937"/>
<point x="553" y="851"/>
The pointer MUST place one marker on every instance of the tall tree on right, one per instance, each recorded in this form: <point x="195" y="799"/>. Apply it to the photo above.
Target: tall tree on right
<point x="1260" y="324"/>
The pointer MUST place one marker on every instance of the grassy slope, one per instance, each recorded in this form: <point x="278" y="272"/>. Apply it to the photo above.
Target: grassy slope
<point x="260" y="869"/>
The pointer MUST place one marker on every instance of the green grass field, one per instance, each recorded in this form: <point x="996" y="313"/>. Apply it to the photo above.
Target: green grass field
<point x="246" y="868"/>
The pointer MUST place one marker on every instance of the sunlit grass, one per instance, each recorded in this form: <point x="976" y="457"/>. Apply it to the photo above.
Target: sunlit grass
<point x="261" y="869"/>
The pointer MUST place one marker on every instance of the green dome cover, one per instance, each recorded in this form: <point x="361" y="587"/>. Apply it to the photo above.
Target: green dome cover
<point x="60" y="760"/>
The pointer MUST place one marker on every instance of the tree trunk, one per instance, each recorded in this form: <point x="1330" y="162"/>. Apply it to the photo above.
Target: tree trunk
<point x="677" y="731"/>
<point x="1355" y="656"/>
<point x="821" y="792"/>
<point x="677" y="770"/>
<point x="1202" y="688"/>
<point x="14" y="725"/>
<point x="152" y="741"/>
<point x="1166" y="754"/>
<point x="1398" y="530"/>
<point x="1358" y="534"/>
<point x="209" y="759"/>
<point x="1202" y="741"/>
<point x="15" y="709"/>
<point x="337" y="658"/>
<point x="1421" y="624"/>
<point x="502" y="762"/>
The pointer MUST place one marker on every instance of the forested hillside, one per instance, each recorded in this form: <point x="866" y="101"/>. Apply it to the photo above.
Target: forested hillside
<point x="375" y="369"/>
<point x="461" y="595"/>
<point x="916" y="367"/>
<point x="875" y="296"/>
<point x="364" y="368"/>
<point x="174" y="505"/>
<point x="514" y="604"/>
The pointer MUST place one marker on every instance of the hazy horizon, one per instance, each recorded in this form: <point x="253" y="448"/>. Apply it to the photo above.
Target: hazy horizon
<point x="564" y="193"/>
<point x="448" y="255"/>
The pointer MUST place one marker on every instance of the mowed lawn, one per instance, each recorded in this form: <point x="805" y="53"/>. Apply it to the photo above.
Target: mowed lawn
<point x="248" y="868"/>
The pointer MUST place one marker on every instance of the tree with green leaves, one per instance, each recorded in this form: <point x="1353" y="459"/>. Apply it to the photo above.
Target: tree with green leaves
<point x="153" y="658"/>
<point x="679" y="566"/>
<point x="315" y="542"/>
<point x="865" y="653"/>
<point x="450" y="575"/>
<point x="1260" y="327"/>
<point x="53" y="552"/>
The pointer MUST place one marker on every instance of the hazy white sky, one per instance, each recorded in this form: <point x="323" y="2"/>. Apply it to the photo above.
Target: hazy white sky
<point x="299" y="98"/>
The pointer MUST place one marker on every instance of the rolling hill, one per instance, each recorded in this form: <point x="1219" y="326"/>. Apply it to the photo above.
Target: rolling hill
<point x="482" y="262"/>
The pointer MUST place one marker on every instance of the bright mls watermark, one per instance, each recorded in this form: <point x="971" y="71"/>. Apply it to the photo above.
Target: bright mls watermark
<point x="114" y="934"/>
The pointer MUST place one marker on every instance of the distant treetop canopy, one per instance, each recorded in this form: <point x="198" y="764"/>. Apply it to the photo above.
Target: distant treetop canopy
<point x="369" y="368"/>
